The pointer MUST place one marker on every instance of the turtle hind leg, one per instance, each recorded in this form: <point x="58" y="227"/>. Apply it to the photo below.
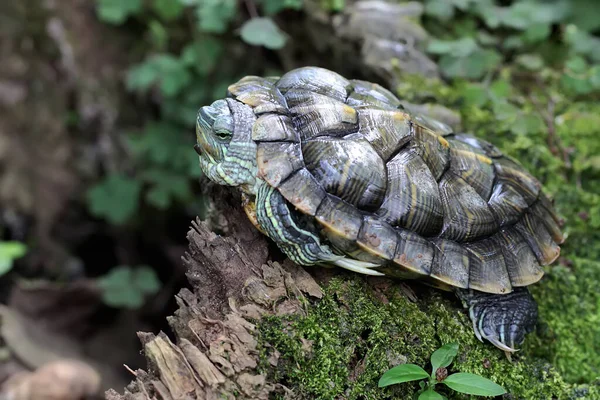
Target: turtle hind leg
<point x="296" y="237"/>
<point x="502" y="319"/>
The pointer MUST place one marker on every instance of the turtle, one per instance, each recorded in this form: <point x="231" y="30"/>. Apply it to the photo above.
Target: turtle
<point x="338" y="173"/>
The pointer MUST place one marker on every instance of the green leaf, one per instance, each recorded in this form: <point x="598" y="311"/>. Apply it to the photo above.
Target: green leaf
<point x="505" y="111"/>
<point x="115" y="198"/>
<point x="430" y="395"/>
<point x="523" y="14"/>
<point x="490" y="14"/>
<point x="166" y="187"/>
<point x="169" y="72"/>
<point x="161" y="143"/>
<point x="527" y="124"/>
<point x="168" y="10"/>
<point x="117" y="11"/>
<point x="145" y="279"/>
<point x="203" y="55"/>
<point x="333" y="5"/>
<point x="9" y="252"/>
<point x="473" y="66"/>
<point x="532" y="62"/>
<point x="464" y="382"/>
<point x="576" y="65"/>
<point x="575" y="84"/>
<point x="402" y="373"/>
<point x="214" y="15"/>
<point x="585" y="14"/>
<point x="441" y="9"/>
<point x="501" y="89"/>
<point x="536" y="33"/>
<point x="474" y="95"/>
<point x="127" y="287"/>
<point x="263" y="32"/>
<point x="457" y="48"/>
<point x="272" y="7"/>
<point x="158" y="34"/>
<point x="443" y="356"/>
<point x="595" y="77"/>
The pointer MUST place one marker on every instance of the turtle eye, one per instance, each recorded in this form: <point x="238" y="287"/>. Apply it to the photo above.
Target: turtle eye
<point x="223" y="134"/>
<point x="223" y="127"/>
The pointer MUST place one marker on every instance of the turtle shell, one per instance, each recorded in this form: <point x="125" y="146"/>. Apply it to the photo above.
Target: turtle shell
<point x="397" y="189"/>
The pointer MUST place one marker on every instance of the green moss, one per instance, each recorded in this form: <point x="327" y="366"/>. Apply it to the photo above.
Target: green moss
<point x="570" y="314"/>
<point x="350" y="338"/>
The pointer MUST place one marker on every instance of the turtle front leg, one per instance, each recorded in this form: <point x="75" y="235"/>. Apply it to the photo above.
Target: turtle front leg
<point x="503" y="319"/>
<point x="296" y="236"/>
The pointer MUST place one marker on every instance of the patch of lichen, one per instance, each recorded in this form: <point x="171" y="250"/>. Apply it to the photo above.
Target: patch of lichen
<point x="354" y="334"/>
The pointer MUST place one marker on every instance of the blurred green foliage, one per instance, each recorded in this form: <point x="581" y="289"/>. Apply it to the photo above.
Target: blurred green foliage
<point x="9" y="252"/>
<point x="127" y="287"/>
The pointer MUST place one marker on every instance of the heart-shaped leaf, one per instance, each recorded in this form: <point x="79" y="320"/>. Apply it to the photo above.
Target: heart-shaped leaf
<point x="263" y="32"/>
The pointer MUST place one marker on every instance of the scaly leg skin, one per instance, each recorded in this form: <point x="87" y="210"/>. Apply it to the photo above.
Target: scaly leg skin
<point x="503" y="319"/>
<point x="300" y="243"/>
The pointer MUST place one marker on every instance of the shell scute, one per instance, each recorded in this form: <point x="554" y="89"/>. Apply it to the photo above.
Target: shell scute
<point x="451" y="263"/>
<point x="475" y="168"/>
<point x="467" y="216"/>
<point x="412" y="200"/>
<point x="432" y="124"/>
<point x="303" y="191"/>
<point x="276" y="161"/>
<point x="539" y="239"/>
<point x="274" y="128"/>
<point x="319" y="115"/>
<point x="513" y="174"/>
<point x="348" y="169"/>
<point x="433" y="149"/>
<point x="317" y="80"/>
<point x="367" y="93"/>
<point x="377" y="238"/>
<point x="487" y="268"/>
<point x="547" y="218"/>
<point x="521" y="264"/>
<point x="259" y="93"/>
<point x="413" y="252"/>
<point x="479" y="144"/>
<point x="339" y="219"/>
<point x="386" y="130"/>
<point x="507" y="204"/>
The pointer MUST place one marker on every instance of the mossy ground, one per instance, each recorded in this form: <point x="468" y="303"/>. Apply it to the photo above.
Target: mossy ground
<point x="351" y="337"/>
<point x="342" y="347"/>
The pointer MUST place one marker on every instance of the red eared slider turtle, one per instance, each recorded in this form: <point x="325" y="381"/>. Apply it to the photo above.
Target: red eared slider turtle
<point x="336" y="172"/>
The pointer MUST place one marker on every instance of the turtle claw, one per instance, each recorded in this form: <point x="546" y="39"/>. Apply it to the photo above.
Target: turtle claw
<point x="500" y="345"/>
<point x="503" y="320"/>
<point x="362" y="267"/>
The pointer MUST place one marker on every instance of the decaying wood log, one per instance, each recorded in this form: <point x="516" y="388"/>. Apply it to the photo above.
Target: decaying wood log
<point x="235" y="283"/>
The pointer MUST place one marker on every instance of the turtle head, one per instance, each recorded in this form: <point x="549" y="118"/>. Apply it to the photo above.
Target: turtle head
<point x="224" y="144"/>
